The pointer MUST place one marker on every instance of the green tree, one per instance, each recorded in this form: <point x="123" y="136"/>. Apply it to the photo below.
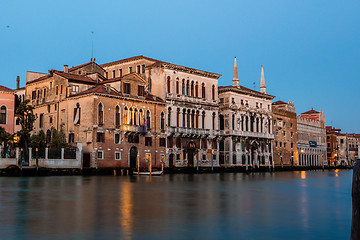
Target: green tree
<point x="26" y="119"/>
<point x="5" y="139"/>
<point x="38" y="141"/>
<point x="58" y="139"/>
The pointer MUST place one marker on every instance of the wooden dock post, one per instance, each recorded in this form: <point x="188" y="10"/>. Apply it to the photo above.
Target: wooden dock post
<point x="355" y="225"/>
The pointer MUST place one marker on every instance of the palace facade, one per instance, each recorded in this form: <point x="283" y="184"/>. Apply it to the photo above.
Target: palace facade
<point x="312" y="138"/>
<point x="191" y="98"/>
<point x="245" y="125"/>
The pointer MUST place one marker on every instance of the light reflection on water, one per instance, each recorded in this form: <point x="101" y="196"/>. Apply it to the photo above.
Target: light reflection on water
<point x="282" y="205"/>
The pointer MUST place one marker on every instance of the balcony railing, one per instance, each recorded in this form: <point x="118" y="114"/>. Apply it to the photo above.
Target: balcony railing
<point x="247" y="134"/>
<point x="189" y="131"/>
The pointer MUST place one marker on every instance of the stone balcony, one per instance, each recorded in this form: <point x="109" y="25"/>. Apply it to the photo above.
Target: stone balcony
<point x="246" y="134"/>
<point x="191" y="132"/>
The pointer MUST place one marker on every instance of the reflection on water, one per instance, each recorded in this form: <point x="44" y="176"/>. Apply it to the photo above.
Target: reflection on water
<point x="286" y="205"/>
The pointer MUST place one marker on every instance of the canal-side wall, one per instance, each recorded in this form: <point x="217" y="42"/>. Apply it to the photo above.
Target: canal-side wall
<point x="58" y="163"/>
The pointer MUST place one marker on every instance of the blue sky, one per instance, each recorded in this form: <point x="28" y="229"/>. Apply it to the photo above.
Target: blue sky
<point x="309" y="48"/>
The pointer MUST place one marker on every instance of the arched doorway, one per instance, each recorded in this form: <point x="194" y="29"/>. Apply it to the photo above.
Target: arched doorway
<point x="133" y="157"/>
<point x="190" y="153"/>
<point x="171" y="160"/>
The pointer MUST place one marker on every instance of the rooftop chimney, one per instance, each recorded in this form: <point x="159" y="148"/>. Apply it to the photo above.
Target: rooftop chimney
<point x="66" y="68"/>
<point x="17" y="82"/>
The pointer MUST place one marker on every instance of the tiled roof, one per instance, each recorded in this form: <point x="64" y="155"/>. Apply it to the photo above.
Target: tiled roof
<point x="158" y="63"/>
<point x="312" y="111"/>
<point x="70" y="76"/>
<point x="244" y="90"/>
<point x="111" y="80"/>
<point x="79" y="66"/>
<point x="129" y="60"/>
<point x="85" y="64"/>
<point x="279" y="103"/>
<point x="5" y="89"/>
<point x="75" y="77"/>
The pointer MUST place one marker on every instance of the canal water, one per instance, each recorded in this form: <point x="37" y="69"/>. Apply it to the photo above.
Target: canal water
<point x="281" y="205"/>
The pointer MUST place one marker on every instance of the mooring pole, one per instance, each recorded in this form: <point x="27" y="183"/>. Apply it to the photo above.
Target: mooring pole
<point x="37" y="159"/>
<point x="355" y="225"/>
<point x="197" y="162"/>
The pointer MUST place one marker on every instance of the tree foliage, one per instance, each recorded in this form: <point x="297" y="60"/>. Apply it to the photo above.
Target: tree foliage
<point x="58" y="139"/>
<point x="5" y="139"/>
<point x="38" y="141"/>
<point x="26" y="120"/>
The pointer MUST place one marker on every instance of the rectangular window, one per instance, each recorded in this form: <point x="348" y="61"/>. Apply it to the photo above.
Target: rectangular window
<point x="100" y="137"/>
<point x="41" y="120"/>
<point x="143" y="68"/>
<point x="100" y="155"/>
<point x="178" y="142"/>
<point x="328" y="145"/>
<point x="114" y="74"/>
<point x="33" y="95"/>
<point x="71" y="137"/>
<point x="162" y="142"/>
<point x="138" y="68"/>
<point x="61" y="89"/>
<point x="75" y="89"/>
<point x="117" y="155"/>
<point x="120" y="72"/>
<point x="141" y="90"/>
<point x="56" y="90"/>
<point x="204" y="143"/>
<point x="177" y="156"/>
<point x="204" y="157"/>
<point x="130" y="70"/>
<point x="148" y="141"/>
<point x="126" y="88"/>
<point x="117" y="138"/>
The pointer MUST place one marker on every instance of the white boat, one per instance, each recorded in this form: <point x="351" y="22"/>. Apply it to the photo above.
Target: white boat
<point x="154" y="173"/>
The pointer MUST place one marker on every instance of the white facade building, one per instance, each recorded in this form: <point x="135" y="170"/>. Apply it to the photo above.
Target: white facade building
<point x="245" y="125"/>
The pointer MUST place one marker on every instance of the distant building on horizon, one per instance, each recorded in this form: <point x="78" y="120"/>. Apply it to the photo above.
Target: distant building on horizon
<point x="312" y="138"/>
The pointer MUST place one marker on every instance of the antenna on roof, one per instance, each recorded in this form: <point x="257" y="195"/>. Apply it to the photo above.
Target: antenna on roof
<point x="92" y="44"/>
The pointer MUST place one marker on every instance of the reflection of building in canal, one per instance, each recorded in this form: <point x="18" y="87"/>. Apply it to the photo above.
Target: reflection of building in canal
<point x="245" y="124"/>
<point x="311" y="138"/>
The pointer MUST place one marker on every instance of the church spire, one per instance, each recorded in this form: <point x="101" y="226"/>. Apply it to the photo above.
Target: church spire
<point x="236" y="77"/>
<point x="262" y="82"/>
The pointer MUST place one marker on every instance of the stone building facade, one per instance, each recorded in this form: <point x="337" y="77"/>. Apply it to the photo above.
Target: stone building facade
<point x="348" y="148"/>
<point x="7" y="109"/>
<point x="285" y="134"/>
<point x="191" y="97"/>
<point x="119" y="123"/>
<point x="245" y="125"/>
<point x="311" y="138"/>
<point x="332" y="147"/>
